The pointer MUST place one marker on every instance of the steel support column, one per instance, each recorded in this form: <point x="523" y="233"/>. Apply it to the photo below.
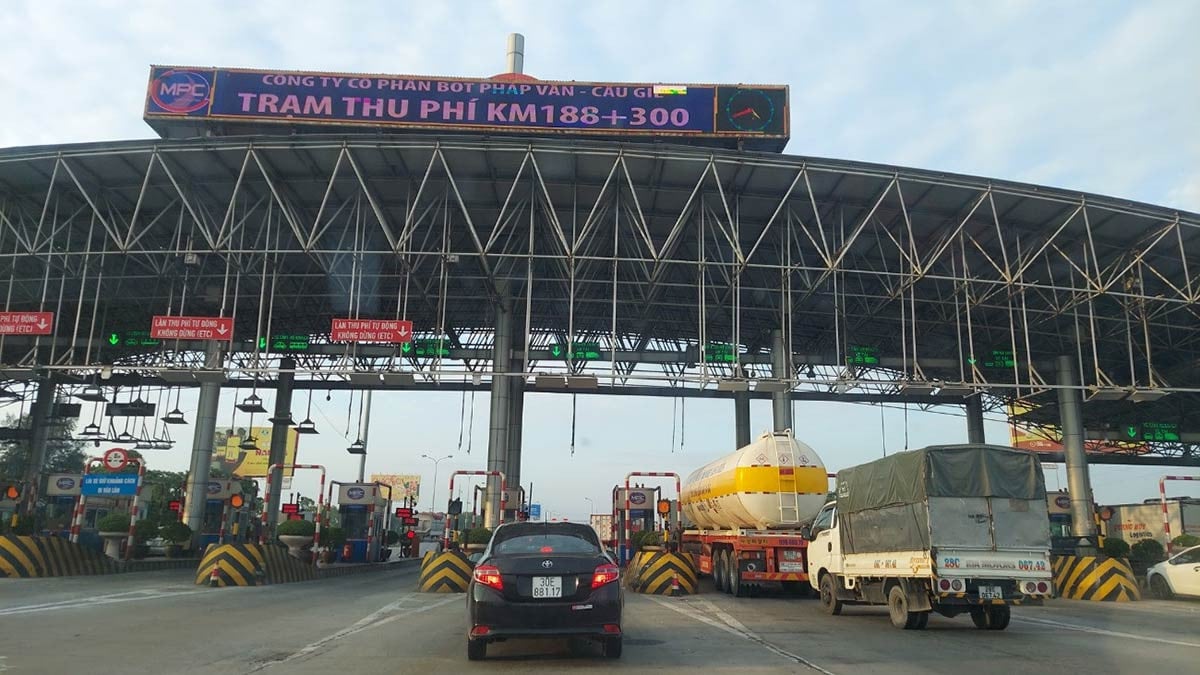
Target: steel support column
<point x="781" y="369"/>
<point x="39" y="432"/>
<point x="202" y="443"/>
<point x="1078" y="482"/>
<point x="974" y="407"/>
<point x="279" y="435"/>
<point x="741" y="418"/>
<point x="500" y="417"/>
<point x="516" y="414"/>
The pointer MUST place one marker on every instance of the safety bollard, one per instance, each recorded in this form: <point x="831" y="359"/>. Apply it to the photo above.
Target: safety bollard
<point x="214" y="579"/>
<point x="675" y="585"/>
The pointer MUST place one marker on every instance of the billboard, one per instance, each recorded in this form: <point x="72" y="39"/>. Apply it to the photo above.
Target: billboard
<point x="250" y="463"/>
<point x="1029" y="437"/>
<point x="404" y="486"/>
<point x="483" y="105"/>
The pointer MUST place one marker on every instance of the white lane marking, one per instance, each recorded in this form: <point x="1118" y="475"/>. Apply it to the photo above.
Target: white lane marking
<point x="1102" y="631"/>
<point x="132" y="596"/>
<point x="379" y="617"/>
<point x="734" y="627"/>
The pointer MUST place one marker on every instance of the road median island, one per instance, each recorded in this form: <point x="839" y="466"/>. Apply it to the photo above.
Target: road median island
<point x="266" y="564"/>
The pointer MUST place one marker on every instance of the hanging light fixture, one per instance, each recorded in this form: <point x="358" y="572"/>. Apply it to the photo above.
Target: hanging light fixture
<point x="93" y="393"/>
<point x="125" y="437"/>
<point x="252" y="404"/>
<point x="90" y="431"/>
<point x="249" y="444"/>
<point x="358" y="447"/>
<point x="307" y="426"/>
<point x="176" y="415"/>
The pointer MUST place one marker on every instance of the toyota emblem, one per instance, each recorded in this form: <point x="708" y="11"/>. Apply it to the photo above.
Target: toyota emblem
<point x="547" y="564"/>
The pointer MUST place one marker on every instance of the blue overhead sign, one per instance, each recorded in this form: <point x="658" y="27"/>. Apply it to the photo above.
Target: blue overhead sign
<point x="707" y="110"/>
<point x="535" y="511"/>
<point x="109" y="485"/>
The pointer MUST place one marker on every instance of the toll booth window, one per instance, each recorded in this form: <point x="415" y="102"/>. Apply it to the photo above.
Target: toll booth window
<point x="212" y="518"/>
<point x="354" y="524"/>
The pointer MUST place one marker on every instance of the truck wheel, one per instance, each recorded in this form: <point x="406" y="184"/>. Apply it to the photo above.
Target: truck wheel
<point x="736" y="588"/>
<point x="922" y="620"/>
<point x="718" y="569"/>
<point x="995" y="617"/>
<point x="998" y="617"/>
<point x="829" y="599"/>
<point x="898" y="609"/>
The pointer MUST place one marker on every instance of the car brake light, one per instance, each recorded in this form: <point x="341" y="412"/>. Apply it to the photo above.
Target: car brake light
<point x="480" y="630"/>
<point x="489" y="575"/>
<point x="1043" y="587"/>
<point x="612" y="628"/>
<point x="605" y="574"/>
<point x="547" y="549"/>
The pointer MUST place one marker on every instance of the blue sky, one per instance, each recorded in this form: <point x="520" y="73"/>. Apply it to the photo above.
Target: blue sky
<point x="1095" y="96"/>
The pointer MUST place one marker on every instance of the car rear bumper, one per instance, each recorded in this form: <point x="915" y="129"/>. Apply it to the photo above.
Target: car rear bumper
<point x="505" y="618"/>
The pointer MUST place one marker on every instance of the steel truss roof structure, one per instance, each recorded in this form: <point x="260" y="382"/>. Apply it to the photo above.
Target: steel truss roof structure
<point x="637" y="265"/>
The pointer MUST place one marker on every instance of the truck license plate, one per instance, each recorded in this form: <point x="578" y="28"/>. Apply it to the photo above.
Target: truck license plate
<point x="547" y="587"/>
<point x="990" y="593"/>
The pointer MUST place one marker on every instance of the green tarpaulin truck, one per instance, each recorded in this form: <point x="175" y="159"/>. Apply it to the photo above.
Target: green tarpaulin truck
<point x="953" y="529"/>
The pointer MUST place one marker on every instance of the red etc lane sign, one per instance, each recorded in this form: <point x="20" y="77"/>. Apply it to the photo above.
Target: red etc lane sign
<point x="371" y="330"/>
<point x="26" y="323"/>
<point x="192" y="328"/>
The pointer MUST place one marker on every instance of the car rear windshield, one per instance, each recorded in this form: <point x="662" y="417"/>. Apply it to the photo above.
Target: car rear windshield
<point x="539" y="538"/>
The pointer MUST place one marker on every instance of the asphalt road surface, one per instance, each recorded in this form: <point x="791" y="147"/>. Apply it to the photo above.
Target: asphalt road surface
<point x="375" y="623"/>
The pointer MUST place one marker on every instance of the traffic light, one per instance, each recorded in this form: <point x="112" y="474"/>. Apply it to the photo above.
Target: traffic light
<point x="410" y="535"/>
<point x="12" y="491"/>
<point x="236" y="501"/>
<point x="455" y="507"/>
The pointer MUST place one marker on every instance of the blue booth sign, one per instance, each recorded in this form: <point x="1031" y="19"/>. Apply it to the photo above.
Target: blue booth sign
<point x="535" y="511"/>
<point x="103" y="485"/>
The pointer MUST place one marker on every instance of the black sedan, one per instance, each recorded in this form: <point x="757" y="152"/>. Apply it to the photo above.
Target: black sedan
<point x="539" y="580"/>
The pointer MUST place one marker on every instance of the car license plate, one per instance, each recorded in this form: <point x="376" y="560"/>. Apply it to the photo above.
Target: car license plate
<point x="990" y="593"/>
<point x="547" y="587"/>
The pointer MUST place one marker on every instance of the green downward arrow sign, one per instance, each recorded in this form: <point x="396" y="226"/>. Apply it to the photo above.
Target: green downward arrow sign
<point x="556" y="350"/>
<point x="113" y="339"/>
<point x="1131" y="431"/>
<point x="406" y="347"/>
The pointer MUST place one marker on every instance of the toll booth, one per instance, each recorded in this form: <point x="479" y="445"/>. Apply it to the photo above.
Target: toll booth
<point x="363" y="508"/>
<point x="222" y="522"/>
<point x="642" y="516"/>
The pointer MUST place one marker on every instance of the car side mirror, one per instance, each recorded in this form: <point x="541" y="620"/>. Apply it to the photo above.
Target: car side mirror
<point x="806" y="532"/>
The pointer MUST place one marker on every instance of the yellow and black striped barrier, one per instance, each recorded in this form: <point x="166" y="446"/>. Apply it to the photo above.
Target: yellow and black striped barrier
<point x="665" y="573"/>
<point x="232" y="565"/>
<point x="1094" y="578"/>
<point x="448" y="572"/>
<point x="283" y="567"/>
<point x="26" y="557"/>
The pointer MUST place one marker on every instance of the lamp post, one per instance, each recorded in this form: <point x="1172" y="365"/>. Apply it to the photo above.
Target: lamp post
<point x="436" y="461"/>
<point x="591" y="509"/>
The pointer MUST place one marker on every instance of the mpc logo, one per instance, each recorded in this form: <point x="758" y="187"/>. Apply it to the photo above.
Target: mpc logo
<point x="65" y="483"/>
<point x="180" y="91"/>
<point x="356" y="493"/>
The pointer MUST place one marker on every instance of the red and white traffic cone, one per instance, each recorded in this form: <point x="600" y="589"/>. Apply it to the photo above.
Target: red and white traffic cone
<point x="214" y="579"/>
<point x="675" y="592"/>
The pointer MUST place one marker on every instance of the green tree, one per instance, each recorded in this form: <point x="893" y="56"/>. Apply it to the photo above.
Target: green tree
<point x="64" y="454"/>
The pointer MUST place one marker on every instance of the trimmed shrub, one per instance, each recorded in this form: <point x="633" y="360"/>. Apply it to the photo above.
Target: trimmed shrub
<point x="1116" y="548"/>
<point x="113" y="522"/>
<point x="1148" y="550"/>
<point x="298" y="528"/>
